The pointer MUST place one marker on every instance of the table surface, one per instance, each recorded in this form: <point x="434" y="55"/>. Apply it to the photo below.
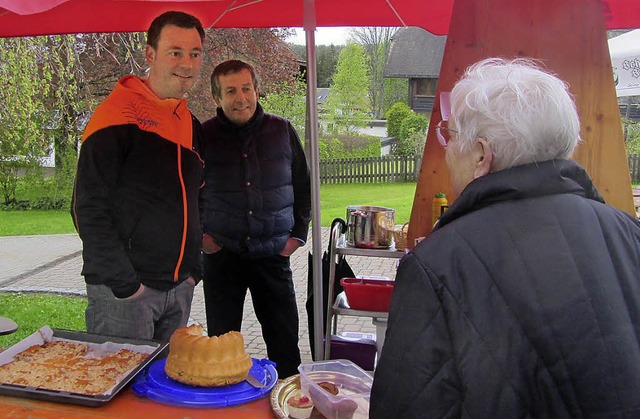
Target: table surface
<point x="7" y="326"/>
<point x="129" y="405"/>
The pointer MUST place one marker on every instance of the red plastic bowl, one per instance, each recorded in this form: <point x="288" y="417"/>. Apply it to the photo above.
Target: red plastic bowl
<point x="368" y="294"/>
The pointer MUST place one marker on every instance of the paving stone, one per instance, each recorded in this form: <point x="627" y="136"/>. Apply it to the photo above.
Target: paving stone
<point x="52" y="263"/>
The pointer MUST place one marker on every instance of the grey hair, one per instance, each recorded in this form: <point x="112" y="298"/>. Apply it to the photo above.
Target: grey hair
<point x="525" y="114"/>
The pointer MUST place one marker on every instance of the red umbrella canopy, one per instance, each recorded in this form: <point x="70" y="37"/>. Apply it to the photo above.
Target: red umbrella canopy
<point x="45" y="17"/>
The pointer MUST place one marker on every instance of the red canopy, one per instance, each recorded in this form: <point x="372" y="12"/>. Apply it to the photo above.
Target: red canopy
<point x="44" y="17"/>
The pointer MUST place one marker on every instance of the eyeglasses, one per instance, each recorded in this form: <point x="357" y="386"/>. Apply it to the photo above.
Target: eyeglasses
<point x="444" y="132"/>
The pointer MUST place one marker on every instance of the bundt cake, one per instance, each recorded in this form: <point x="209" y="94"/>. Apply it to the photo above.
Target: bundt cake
<point x="207" y="361"/>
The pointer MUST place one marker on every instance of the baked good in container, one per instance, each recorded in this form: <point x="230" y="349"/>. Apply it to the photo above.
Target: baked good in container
<point x="299" y="406"/>
<point x="205" y="361"/>
<point x="329" y="387"/>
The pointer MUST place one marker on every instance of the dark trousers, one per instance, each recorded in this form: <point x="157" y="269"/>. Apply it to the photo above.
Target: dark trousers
<point x="228" y="275"/>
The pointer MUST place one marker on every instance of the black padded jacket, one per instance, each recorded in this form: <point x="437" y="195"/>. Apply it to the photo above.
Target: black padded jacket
<point x="523" y="303"/>
<point x="257" y="189"/>
<point x="135" y="201"/>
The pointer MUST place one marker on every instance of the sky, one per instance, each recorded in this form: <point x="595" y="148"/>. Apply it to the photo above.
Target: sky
<point x="324" y="36"/>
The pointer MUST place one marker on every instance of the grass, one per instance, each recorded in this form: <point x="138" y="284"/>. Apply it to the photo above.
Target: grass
<point x="333" y="203"/>
<point x="35" y="222"/>
<point x="334" y="199"/>
<point x="33" y="310"/>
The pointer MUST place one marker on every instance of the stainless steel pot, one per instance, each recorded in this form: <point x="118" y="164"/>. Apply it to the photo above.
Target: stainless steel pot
<point x="370" y="227"/>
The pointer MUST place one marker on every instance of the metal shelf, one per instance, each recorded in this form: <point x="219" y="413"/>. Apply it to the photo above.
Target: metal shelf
<point x="378" y="253"/>
<point x="340" y="306"/>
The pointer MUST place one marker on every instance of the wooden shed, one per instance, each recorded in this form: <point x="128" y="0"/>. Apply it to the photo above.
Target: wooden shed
<point x="416" y="54"/>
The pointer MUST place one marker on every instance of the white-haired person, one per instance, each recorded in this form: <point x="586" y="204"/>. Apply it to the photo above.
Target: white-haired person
<point x="524" y="302"/>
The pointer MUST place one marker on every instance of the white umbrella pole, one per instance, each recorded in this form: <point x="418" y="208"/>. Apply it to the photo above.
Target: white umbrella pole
<point x="314" y="162"/>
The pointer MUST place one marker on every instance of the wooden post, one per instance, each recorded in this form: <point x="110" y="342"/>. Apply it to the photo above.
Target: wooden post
<point x="569" y="38"/>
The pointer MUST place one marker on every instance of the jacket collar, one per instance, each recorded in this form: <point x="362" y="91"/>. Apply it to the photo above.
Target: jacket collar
<point x="132" y="102"/>
<point x="135" y="86"/>
<point x="249" y="127"/>
<point x="526" y="181"/>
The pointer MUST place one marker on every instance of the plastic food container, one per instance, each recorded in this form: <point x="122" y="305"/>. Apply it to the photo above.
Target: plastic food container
<point x="368" y="294"/>
<point x="353" y="383"/>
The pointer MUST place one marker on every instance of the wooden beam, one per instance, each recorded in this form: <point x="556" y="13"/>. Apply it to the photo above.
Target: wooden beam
<point x="569" y="38"/>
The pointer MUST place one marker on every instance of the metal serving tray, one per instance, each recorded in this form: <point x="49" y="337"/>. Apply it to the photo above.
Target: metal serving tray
<point x="152" y="347"/>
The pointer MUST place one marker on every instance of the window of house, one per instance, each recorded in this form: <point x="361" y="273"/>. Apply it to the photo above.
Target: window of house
<point x="425" y="87"/>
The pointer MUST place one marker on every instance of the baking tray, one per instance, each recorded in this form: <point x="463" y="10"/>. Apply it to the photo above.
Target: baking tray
<point x="152" y="347"/>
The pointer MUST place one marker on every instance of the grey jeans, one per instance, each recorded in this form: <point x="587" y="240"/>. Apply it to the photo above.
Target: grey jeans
<point x="152" y="315"/>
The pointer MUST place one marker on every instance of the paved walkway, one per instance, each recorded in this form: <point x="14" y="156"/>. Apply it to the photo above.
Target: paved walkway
<point x="52" y="263"/>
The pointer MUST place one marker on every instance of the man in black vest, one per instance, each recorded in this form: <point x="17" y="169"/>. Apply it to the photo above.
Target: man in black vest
<point x="255" y="208"/>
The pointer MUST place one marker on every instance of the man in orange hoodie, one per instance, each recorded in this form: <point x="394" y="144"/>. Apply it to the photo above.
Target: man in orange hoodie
<point x="135" y="202"/>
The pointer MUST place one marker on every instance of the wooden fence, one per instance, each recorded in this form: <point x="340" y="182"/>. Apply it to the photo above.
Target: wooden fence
<point x="398" y="169"/>
<point x="383" y="169"/>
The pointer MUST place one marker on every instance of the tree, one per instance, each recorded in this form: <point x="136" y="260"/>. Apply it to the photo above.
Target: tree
<point x="347" y="102"/>
<point x="52" y="85"/>
<point x="326" y="63"/>
<point x="376" y="42"/>
<point x="104" y="58"/>
<point x="22" y="99"/>
<point x="264" y="48"/>
<point x="395" y="90"/>
<point x="108" y="57"/>
<point x="289" y="102"/>
<point x="66" y="103"/>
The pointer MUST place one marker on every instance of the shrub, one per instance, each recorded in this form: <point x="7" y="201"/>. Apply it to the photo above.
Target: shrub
<point x="413" y="123"/>
<point x="49" y="203"/>
<point x="413" y="133"/>
<point x="348" y="146"/>
<point x="631" y="131"/>
<point x="45" y="203"/>
<point x="15" y="205"/>
<point x="35" y="191"/>
<point x="396" y="114"/>
<point x="412" y="145"/>
<point x="330" y="148"/>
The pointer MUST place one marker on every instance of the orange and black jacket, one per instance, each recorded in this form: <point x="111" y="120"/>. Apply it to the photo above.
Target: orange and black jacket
<point x="135" y="200"/>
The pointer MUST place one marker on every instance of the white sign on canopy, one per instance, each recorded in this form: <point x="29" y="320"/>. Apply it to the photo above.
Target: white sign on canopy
<point x="625" y="59"/>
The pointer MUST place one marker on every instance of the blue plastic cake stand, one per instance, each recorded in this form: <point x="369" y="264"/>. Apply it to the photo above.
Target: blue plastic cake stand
<point x="153" y="382"/>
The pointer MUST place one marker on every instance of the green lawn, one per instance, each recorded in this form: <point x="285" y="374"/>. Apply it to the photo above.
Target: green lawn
<point x="33" y="310"/>
<point x="334" y="200"/>
<point x="35" y="222"/>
